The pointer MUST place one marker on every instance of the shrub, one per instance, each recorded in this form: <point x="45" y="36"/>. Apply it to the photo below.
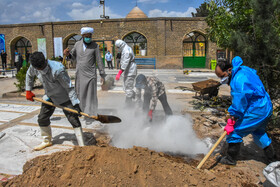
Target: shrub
<point x="20" y="76"/>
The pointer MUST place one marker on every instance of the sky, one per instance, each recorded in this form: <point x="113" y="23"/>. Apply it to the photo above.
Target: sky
<point x="36" y="11"/>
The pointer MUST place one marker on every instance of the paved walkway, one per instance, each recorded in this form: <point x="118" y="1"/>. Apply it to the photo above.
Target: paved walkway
<point x="7" y="85"/>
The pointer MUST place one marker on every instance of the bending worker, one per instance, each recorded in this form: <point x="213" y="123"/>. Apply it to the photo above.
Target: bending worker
<point x="153" y="90"/>
<point x="250" y="110"/>
<point x="128" y="68"/>
<point x="59" y="90"/>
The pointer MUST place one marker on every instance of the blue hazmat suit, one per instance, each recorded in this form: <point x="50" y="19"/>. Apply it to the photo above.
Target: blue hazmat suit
<point x="251" y="104"/>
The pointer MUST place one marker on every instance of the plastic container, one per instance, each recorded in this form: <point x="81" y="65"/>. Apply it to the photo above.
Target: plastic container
<point x="213" y="64"/>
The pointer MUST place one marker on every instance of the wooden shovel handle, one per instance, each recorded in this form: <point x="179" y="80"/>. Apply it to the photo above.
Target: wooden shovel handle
<point x="211" y="151"/>
<point x="64" y="108"/>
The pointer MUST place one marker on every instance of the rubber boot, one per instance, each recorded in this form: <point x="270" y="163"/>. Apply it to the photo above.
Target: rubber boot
<point x="232" y="153"/>
<point x="46" y="133"/>
<point x="79" y="135"/>
<point x="270" y="154"/>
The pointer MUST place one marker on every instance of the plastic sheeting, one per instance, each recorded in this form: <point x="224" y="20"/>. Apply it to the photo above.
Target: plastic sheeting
<point x="272" y="173"/>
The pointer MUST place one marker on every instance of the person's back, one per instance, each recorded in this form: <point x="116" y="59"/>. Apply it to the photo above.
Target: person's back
<point x="153" y="90"/>
<point x="50" y="81"/>
<point x="246" y="84"/>
<point x="153" y="83"/>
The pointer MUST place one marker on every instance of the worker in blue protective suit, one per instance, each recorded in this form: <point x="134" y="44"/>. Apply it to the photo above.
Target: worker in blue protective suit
<point x="250" y="110"/>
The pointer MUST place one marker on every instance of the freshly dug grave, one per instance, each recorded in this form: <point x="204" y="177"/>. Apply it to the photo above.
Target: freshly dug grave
<point x="110" y="166"/>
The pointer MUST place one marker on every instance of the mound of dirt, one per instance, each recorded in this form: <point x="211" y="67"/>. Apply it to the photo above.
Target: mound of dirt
<point x="110" y="166"/>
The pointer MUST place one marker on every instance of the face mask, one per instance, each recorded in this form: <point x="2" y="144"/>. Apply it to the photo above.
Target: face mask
<point x="87" y="40"/>
<point x="224" y="80"/>
<point x="16" y="53"/>
<point x="45" y="71"/>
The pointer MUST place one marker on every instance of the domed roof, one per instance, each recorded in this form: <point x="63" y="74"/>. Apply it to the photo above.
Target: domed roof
<point x="136" y="13"/>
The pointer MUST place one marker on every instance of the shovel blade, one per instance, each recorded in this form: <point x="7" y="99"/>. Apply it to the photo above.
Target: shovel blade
<point x="108" y="119"/>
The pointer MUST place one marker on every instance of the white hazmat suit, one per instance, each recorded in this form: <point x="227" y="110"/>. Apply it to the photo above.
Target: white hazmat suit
<point x="128" y="67"/>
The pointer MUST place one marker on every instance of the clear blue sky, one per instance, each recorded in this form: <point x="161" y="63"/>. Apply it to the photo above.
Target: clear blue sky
<point x="34" y="11"/>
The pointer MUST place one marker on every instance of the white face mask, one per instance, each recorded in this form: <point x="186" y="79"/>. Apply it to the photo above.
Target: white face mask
<point x="45" y="71"/>
<point x="224" y="80"/>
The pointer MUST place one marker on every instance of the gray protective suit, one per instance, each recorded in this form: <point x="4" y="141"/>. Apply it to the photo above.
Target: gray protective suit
<point x="56" y="82"/>
<point x="128" y="65"/>
<point x="86" y="77"/>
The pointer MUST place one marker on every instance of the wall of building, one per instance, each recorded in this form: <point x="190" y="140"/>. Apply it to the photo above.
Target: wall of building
<point x="164" y="35"/>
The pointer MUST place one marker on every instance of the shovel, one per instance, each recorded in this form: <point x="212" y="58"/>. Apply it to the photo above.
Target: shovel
<point x="211" y="151"/>
<point x="101" y="118"/>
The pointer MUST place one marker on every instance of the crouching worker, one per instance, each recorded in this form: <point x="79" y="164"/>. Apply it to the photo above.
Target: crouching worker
<point x="250" y="110"/>
<point x="59" y="90"/>
<point x="153" y="90"/>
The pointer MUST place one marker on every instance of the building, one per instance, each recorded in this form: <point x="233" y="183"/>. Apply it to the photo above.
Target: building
<point x="172" y="42"/>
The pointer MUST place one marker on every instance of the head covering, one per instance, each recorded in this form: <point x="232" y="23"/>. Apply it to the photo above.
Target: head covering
<point x="236" y="63"/>
<point x="120" y="44"/>
<point x="141" y="81"/>
<point x="86" y="30"/>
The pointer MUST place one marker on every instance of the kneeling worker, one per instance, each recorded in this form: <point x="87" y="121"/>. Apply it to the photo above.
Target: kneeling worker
<point x="59" y="90"/>
<point x="153" y="90"/>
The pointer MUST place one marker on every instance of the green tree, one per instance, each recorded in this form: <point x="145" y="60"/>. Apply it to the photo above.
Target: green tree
<point x="20" y="76"/>
<point x="251" y="29"/>
<point x="202" y="11"/>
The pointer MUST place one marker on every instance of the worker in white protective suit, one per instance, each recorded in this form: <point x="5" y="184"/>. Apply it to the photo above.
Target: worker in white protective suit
<point x="58" y="90"/>
<point x="128" y="69"/>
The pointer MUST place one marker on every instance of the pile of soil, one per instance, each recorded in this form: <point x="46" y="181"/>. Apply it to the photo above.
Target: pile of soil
<point x="104" y="165"/>
<point x="110" y="166"/>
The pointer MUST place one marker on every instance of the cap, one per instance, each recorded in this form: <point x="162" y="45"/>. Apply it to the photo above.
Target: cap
<point x="141" y="81"/>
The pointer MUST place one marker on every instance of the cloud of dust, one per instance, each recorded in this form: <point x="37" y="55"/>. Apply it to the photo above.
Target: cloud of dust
<point x="173" y="134"/>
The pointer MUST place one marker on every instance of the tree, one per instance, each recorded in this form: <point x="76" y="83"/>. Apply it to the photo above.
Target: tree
<point x="250" y="28"/>
<point x="202" y="11"/>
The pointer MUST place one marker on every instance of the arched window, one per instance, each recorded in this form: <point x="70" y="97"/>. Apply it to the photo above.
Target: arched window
<point x="194" y="44"/>
<point x="23" y="45"/>
<point x="137" y="42"/>
<point x="194" y="50"/>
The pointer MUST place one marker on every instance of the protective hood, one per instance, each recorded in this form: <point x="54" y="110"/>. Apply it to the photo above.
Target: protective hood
<point x="236" y="63"/>
<point x="120" y="44"/>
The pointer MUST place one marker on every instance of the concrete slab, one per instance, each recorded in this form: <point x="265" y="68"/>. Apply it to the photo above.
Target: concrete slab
<point x="8" y="84"/>
<point x="18" y="108"/>
<point x="177" y="91"/>
<point x="116" y="90"/>
<point x="17" y="146"/>
<point x="8" y="116"/>
<point x="199" y="74"/>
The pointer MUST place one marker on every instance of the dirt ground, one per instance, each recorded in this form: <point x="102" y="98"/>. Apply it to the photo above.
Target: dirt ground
<point x="104" y="165"/>
<point x="109" y="166"/>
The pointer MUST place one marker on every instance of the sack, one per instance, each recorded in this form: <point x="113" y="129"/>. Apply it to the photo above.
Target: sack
<point x="272" y="173"/>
